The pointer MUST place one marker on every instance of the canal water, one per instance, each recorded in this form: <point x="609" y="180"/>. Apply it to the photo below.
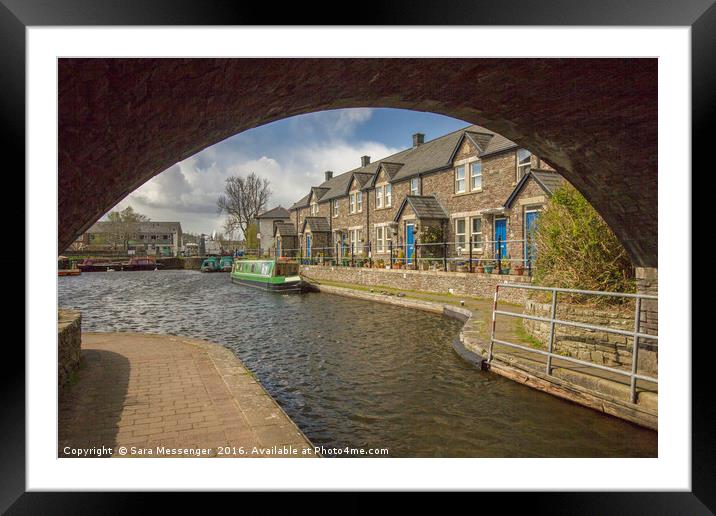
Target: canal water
<point x="352" y="373"/>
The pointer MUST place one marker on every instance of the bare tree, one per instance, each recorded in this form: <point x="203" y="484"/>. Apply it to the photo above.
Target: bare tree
<point x="123" y="226"/>
<point x="243" y="199"/>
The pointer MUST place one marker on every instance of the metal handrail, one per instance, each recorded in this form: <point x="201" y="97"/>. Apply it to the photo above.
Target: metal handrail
<point x="552" y="320"/>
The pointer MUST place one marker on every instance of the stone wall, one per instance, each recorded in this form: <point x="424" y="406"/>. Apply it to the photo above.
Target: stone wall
<point x="647" y="282"/>
<point x="603" y="348"/>
<point x="69" y="325"/>
<point x="461" y="283"/>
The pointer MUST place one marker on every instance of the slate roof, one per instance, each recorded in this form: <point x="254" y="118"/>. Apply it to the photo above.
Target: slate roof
<point x="279" y="212"/>
<point x="431" y="156"/>
<point x="424" y="207"/>
<point x="285" y="228"/>
<point x="546" y="179"/>
<point x="316" y="225"/>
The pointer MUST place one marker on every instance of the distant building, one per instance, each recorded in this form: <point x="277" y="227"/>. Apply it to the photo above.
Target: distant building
<point x="266" y="223"/>
<point x="150" y="238"/>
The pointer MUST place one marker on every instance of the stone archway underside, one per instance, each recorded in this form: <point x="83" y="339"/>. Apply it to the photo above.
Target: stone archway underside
<point x="122" y="121"/>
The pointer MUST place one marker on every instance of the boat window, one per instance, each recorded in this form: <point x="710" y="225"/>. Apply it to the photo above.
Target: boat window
<point x="286" y="269"/>
<point x="265" y="269"/>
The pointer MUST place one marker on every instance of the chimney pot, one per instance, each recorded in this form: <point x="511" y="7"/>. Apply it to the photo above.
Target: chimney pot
<point x="364" y="161"/>
<point x="329" y="174"/>
<point x="418" y="139"/>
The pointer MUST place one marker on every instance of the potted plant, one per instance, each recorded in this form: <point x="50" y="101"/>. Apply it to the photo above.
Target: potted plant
<point x="519" y="269"/>
<point x="488" y="266"/>
<point x="379" y="263"/>
<point x="505" y="264"/>
<point x="399" y="263"/>
<point x="479" y="267"/>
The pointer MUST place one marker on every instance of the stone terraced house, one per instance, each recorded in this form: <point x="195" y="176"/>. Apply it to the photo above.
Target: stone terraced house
<point x="472" y="185"/>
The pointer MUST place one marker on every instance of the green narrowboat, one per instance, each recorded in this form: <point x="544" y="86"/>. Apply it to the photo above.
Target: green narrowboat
<point x="271" y="275"/>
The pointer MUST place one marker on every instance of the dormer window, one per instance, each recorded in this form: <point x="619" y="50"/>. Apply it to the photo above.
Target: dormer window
<point x="314" y="208"/>
<point x="524" y="162"/>
<point x="335" y="208"/>
<point x="352" y="203"/>
<point x="378" y="196"/>
<point x="388" y="195"/>
<point x="359" y="203"/>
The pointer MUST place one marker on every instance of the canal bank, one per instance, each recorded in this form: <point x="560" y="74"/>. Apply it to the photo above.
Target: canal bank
<point x="599" y="390"/>
<point x="144" y="395"/>
<point x="357" y="373"/>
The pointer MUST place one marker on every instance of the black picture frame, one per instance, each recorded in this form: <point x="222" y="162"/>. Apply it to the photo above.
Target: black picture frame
<point x="17" y="15"/>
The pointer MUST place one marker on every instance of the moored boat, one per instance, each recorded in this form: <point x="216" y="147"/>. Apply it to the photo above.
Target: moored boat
<point x="271" y="275"/>
<point x="69" y="272"/>
<point x="93" y="265"/>
<point x="226" y="264"/>
<point x="211" y="264"/>
<point x="141" y="263"/>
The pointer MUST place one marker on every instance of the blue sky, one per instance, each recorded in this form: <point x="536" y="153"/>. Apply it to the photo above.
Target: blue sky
<point x="292" y="154"/>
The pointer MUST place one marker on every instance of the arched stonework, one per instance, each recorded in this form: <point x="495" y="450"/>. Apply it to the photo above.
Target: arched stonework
<point x="122" y="121"/>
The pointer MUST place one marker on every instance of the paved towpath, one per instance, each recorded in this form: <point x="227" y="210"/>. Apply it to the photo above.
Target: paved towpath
<point x="173" y="396"/>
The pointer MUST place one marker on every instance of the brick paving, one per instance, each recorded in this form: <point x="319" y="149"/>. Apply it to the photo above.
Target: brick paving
<point x="144" y="392"/>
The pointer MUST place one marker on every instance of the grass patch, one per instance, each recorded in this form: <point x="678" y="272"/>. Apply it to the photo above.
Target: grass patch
<point x="525" y="337"/>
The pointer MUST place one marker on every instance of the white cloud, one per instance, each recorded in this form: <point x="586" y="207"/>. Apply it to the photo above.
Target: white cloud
<point x="188" y="191"/>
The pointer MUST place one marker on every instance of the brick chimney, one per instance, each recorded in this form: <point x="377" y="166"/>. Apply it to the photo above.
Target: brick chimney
<point x="329" y="174"/>
<point x="418" y="139"/>
<point x="364" y="161"/>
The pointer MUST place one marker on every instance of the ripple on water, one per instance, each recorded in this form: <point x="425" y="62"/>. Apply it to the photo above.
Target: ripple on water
<point x="355" y="373"/>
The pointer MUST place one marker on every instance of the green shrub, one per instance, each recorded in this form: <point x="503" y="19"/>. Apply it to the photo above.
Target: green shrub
<point x="576" y="248"/>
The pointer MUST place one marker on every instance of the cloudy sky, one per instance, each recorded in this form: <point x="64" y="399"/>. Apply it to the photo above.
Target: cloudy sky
<point x="292" y="154"/>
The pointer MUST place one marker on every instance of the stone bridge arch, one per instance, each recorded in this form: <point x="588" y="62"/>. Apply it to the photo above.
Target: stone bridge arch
<point x="122" y="121"/>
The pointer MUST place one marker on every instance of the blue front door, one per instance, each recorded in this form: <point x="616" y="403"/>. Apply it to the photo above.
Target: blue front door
<point x="500" y="236"/>
<point x="530" y="246"/>
<point x="308" y="246"/>
<point x="409" y="242"/>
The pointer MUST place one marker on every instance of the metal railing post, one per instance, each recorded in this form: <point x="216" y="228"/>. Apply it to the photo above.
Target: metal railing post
<point x="353" y="264"/>
<point x="470" y="259"/>
<point x="391" y="252"/>
<point x="444" y="256"/>
<point x="550" y="343"/>
<point x="499" y="255"/>
<point x="494" y="319"/>
<point x="370" y="254"/>
<point x="635" y="350"/>
<point x="300" y="254"/>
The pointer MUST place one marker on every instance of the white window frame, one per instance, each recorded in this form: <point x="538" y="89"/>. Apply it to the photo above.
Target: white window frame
<point x="359" y="201"/>
<point x="458" y="248"/>
<point x="335" y="208"/>
<point x="314" y="208"/>
<point x="476" y="242"/>
<point x="522" y="166"/>
<point x="416" y="189"/>
<point x="458" y="180"/>
<point x="352" y="206"/>
<point x="378" y="197"/>
<point x="356" y="244"/>
<point x="380" y="239"/>
<point x="388" y="192"/>
<point x="475" y="164"/>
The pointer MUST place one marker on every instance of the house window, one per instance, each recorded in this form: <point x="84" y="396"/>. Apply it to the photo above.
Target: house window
<point x="415" y="186"/>
<point x="314" y="208"/>
<point x="356" y="244"/>
<point x="476" y="233"/>
<point x="476" y="175"/>
<point x="335" y="208"/>
<point x="378" y="196"/>
<point x="359" y="196"/>
<point x="460" y="179"/>
<point x="524" y="159"/>
<point x="460" y="235"/>
<point x="380" y="239"/>
<point x="352" y="208"/>
<point x="388" y="195"/>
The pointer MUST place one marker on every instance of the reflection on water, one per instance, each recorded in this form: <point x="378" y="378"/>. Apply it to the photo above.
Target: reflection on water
<point x="355" y="373"/>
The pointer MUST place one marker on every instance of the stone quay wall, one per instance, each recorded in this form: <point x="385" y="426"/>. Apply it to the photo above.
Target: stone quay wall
<point x="69" y="327"/>
<point x="602" y="348"/>
<point x="459" y="283"/>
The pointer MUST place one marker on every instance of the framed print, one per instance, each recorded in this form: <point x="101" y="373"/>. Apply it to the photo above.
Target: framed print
<point x="425" y="245"/>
